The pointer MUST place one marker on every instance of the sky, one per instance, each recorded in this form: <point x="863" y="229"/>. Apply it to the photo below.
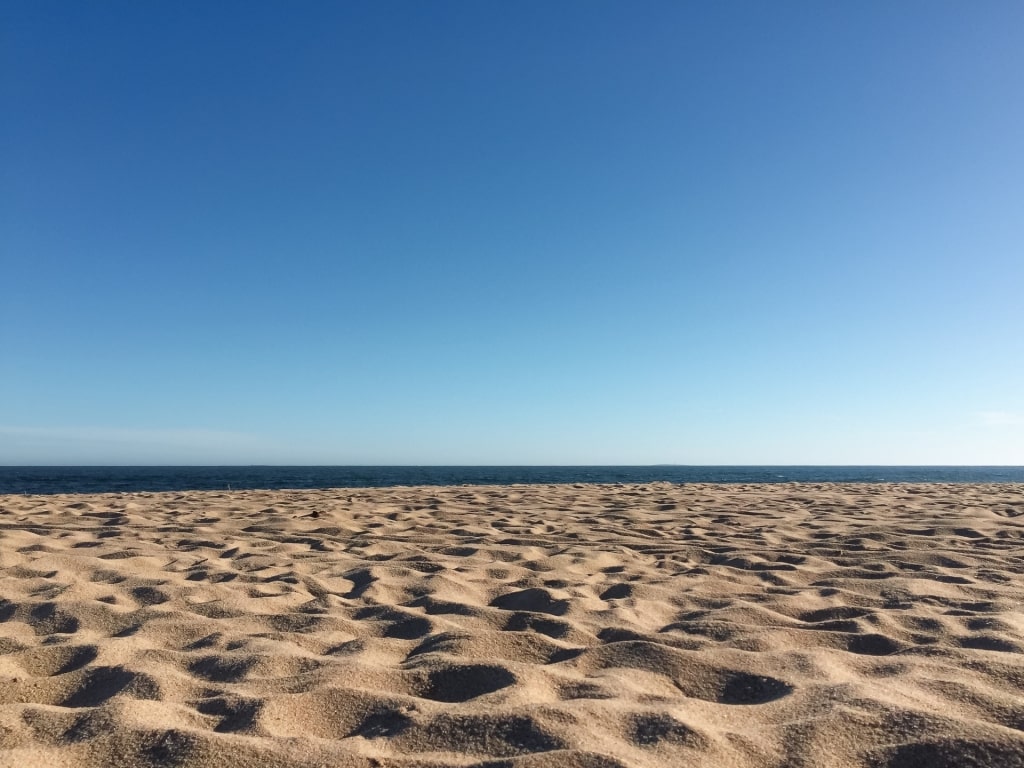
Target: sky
<point x="484" y="232"/>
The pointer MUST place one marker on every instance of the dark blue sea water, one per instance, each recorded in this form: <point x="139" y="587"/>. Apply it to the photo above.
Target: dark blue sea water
<point x="131" y="479"/>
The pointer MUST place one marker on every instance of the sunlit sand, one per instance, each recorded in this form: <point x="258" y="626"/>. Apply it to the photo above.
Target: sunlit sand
<point x="526" y="626"/>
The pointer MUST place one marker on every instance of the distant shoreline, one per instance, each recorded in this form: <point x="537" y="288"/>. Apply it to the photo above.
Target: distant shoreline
<point x="126" y="479"/>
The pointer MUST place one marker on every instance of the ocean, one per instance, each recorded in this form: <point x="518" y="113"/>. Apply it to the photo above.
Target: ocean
<point x="45" y="480"/>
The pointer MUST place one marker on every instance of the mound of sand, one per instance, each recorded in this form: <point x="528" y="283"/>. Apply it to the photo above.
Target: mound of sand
<point x="526" y="626"/>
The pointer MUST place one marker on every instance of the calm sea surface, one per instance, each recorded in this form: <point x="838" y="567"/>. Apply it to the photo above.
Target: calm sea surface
<point x="122" y="479"/>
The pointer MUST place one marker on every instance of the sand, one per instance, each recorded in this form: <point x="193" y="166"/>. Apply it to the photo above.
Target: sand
<point x="525" y="626"/>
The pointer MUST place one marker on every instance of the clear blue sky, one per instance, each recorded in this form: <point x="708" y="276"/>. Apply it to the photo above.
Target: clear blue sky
<point x="531" y="232"/>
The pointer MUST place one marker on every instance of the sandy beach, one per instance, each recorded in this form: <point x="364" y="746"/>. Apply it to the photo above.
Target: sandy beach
<point x="594" y="626"/>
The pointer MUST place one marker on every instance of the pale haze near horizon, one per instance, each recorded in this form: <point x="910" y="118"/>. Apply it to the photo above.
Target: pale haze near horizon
<point x="480" y="233"/>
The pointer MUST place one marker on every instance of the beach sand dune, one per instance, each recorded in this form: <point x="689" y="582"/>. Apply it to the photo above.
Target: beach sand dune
<point x="562" y="626"/>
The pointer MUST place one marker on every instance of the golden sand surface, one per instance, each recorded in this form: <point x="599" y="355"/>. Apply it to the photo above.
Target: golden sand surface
<point x="529" y="626"/>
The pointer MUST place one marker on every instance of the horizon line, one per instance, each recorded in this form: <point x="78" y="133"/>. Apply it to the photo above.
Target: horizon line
<point x="478" y="466"/>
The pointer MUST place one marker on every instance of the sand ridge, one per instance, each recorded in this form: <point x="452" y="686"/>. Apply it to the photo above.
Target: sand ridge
<point x="516" y="626"/>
